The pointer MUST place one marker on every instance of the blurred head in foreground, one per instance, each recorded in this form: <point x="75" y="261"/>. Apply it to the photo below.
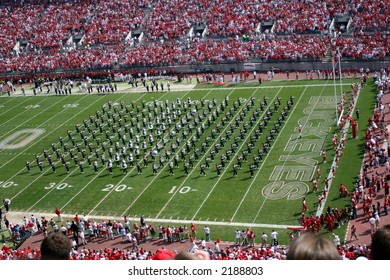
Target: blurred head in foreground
<point x="380" y="245"/>
<point x="310" y="246"/>
<point x="55" y="246"/>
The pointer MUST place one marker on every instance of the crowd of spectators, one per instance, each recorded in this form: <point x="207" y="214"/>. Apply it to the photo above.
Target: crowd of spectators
<point x="268" y="250"/>
<point x="370" y="198"/>
<point x="370" y="15"/>
<point x="171" y="52"/>
<point x="301" y="17"/>
<point x="362" y="45"/>
<point x="231" y="18"/>
<point x="174" y="19"/>
<point x="38" y="35"/>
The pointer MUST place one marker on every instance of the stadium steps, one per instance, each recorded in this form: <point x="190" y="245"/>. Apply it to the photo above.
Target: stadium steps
<point x="328" y="55"/>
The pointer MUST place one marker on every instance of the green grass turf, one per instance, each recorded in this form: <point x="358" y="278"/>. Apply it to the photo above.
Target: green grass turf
<point x="226" y="202"/>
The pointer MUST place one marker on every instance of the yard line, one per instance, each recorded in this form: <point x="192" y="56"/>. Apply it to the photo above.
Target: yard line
<point x="9" y="131"/>
<point x="134" y="200"/>
<point x="45" y="135"/>
<point x="224" y="171"/>
<point x="10" y="109"/>
<point x="104" y="198"/>
<point x="193" y="169"/>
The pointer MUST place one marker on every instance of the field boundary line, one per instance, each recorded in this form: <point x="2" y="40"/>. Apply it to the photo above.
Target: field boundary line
<point x="275" y="86"/>
<point x="320" y="209"/>
<point x="18" y="215"/>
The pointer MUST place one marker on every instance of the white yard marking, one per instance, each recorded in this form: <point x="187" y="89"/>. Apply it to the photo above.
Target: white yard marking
<point x="17" y="215"/>
<point x="13" y="107"/>
<point x="32" y="135"/>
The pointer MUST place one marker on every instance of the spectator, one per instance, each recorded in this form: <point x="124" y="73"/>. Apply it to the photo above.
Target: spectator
<point x="207" y="233"/>
<point x="6" y="203"/>
<point x="310" y="246"/>
<point x="198" y="255"/>
<point x="274" y="236"/>
<point x="58" y="213"/>
<point x="55" y="246"/>
<point x="380" y="246"/>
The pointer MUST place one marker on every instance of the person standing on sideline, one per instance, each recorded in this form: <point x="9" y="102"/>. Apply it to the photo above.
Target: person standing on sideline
<point x="372" y="224"/>
<point x="353" y="232"/>
<point x="274" y="236"/>
<point x="207" y="233"/>
<point x="6" y="203"/>
<point x="264" y="238"/>
<point x="58" y="213"/>
<point x="193" y="230"/>
<point x="304" y="206"/>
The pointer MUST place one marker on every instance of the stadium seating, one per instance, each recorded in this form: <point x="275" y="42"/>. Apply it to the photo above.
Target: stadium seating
<point x="41" y="35"/>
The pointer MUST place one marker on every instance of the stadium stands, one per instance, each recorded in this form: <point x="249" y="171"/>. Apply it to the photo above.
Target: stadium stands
<point x="40" y="36"/>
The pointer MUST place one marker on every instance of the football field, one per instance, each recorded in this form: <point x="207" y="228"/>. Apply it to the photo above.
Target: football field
<point x="225" y="156"/>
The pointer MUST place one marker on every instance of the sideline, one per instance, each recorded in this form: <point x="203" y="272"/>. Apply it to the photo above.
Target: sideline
<point x="17" y="217"/>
